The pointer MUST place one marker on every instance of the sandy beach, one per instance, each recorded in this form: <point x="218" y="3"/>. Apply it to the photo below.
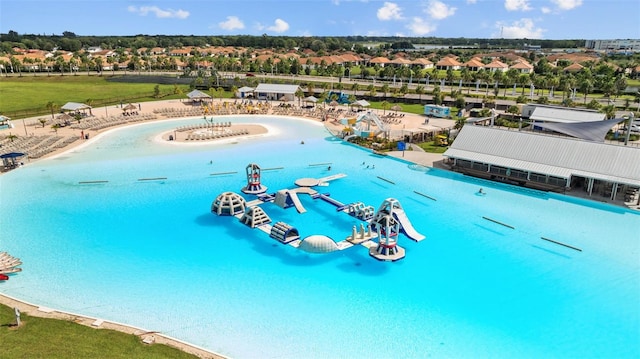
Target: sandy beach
<point x="38" y="141"/>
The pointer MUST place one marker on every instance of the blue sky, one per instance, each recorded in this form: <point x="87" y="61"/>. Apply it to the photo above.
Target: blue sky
<point x="532" y="19"/>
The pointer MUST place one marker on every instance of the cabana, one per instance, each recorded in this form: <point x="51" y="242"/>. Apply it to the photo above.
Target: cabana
<point x="197" y="96"/>
<point x="75" y="107"/>
<point x="9" y="160"/>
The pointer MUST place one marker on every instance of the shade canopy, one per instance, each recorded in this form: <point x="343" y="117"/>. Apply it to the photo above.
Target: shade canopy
<point x="12" y="155"/>
<point x="129" y="107"/>
<point x="361" y="103"/>
<point x="75" y="106"/>
<point x="590" y="131"/>
<point x="310" y="99"/>
<point x="197" y="95"/>
<point x="396" y="108"/>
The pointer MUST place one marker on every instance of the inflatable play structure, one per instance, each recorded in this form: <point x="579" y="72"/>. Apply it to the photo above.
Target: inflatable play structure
<point x="253" y="180"/>
<point x="384" y="225"/>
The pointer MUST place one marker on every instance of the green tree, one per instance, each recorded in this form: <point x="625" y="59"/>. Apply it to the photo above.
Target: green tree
<point x="385" y="89"/>
<point x="385" y="106"/>
<point x="53" y="107"/>
<point x="609" y="111"/>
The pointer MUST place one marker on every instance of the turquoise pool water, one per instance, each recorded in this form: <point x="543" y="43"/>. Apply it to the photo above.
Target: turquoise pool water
<point x="150" y="253"/>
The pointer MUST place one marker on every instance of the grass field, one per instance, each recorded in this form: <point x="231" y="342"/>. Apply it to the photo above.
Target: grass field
<point x="49" y="338"/>
<point x="34" y="92"/>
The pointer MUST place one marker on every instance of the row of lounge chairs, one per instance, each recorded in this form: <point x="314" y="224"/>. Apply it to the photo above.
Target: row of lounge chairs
<point x="212" y="136"/>
<point x="202" y="126"/>
<point x="36" y="146"/>
<point x="180" y="112"/>
<point x="99" y="123"/>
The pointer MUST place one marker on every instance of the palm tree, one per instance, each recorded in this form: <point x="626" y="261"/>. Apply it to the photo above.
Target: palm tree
<point x="52" y="106"/>
<point x="450" y="76"/>
<point x="419" y="91"/>
<point x="586" y="86"/>
<point x="43" y="121"/>
<point x="466" y="76"/>
<point x="385" y="89"/>
<point x="299" y="94"/>
<point x="310" y="90"/>
<point x="372" y="90"/>
<point x="354" y="88"/>
<point x="384" y="104"/>
<point x="609" y="111"/>
<point x="524" y="80"/>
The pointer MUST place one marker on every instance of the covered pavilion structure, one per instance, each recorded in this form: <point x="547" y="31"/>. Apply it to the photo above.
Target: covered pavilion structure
<point x="550" y="163"/>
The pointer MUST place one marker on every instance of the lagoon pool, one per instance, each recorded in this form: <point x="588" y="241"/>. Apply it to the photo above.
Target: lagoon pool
<point x="150" y="253"/>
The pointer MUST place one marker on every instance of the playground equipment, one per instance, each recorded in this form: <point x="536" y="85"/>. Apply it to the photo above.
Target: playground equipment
<point x="228" y="204"/>
<point x="253" y="180"/>
<point x="361" y="125"/>
<point x="339" y="96"/>
<point x="362" y="235"/>
<point x="255" y="216"/>
<point x="441" y="140"/>
<point x="360" y="211"/>
<point x="388" y="222"/>
<point x="387" y="228"/>
<point x="284" y="232"/>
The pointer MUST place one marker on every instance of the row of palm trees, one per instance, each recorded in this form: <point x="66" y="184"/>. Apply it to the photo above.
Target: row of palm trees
<point x="600" y="78"/>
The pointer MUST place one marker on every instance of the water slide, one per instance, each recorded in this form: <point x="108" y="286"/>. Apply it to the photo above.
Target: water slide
<point x="296" y="202"/>
<point x="406" y="225"/>
<point x="372" y="116"/>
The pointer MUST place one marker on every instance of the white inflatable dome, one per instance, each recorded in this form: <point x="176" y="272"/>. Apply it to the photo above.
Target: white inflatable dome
<point x="228" y="204"/>
<point x="318" y="244"/>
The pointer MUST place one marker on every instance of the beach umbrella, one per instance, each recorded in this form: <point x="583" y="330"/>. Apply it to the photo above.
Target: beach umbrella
<point x="129" y="107"/>
<point x="310" y="99"/>
<point x="333" y="103"/>
<point x="396" y="108"/>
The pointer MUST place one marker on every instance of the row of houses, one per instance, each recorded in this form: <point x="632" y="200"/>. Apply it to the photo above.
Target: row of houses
<point x="39" y="60"/>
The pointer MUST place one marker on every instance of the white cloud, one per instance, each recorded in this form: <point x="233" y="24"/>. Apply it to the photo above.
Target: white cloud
<point x="232" y="23"/>
<point x="471" y="1"/>
<point x="545" y="10"/>
<point x="279" y="26"/>
<point x="519" y="29"/>
<point x="389" y="11"/>
<point x="159" y="13"/>
<point x="439" y="10"/>
<point x="517" y="5"/>
<point x="420" y="27"/>
<point x="567" y="4"/>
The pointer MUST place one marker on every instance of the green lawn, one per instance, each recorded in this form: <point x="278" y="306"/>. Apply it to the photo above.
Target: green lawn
<point x="34" y="92"/>
<point x="49" y="338"/>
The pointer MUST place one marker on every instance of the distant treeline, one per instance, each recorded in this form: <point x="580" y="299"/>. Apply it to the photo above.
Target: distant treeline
<point x="69" y="41"/>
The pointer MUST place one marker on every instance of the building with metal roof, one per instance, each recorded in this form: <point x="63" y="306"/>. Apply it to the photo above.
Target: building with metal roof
<point x="545" y="162"/>
<point x="277" y="92"/>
